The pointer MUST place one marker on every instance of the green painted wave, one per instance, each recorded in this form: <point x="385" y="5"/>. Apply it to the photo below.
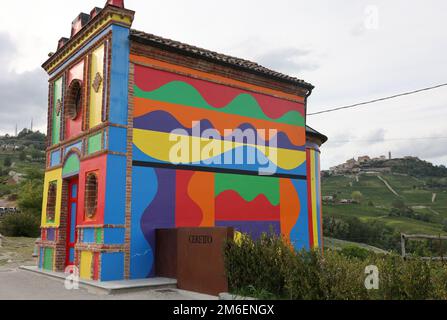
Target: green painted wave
<point x="182" y="93"/>
<point x="249" y="187"/>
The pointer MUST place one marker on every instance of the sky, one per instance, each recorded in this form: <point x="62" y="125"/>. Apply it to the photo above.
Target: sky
<point x="350" y="50"/>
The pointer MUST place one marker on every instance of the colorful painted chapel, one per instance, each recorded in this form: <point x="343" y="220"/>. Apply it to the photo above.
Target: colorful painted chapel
<point x="120" y="101"/>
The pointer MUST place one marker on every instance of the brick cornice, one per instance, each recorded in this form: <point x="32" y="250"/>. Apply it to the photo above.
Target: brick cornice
<point x="199" y="64"/>
<point x="109" y="15"/>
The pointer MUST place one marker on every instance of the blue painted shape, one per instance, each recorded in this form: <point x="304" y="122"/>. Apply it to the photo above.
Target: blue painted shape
<point x="115" y="199"/>
<point x="318" y="195"/>
<point x="51" y="234"/>
<point x="41" y="259"/>
<point x="71" y="254"/>
<point x="112" y="266"/>
<point x="74" y="210"/>
<point x="144" y="190"/>
<point x="89" y="235"/>
<point x="119" y="75"/>
<point x="118" y="139"/>
<point x="160" y="214"/>
<point x="105" y="141"/>
<point x="77" y="145"/>
<point x="74" y="191"/>
<point x="55" y="158"/>
<point x="300" y="232"/>
<point x="114" y="236"/>
<point x="263" y="164"/>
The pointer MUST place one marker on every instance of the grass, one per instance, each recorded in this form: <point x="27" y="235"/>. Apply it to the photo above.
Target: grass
<point x="336" y="244"/>
<point x="412" y="191"/>
<point x="16" y="252"/>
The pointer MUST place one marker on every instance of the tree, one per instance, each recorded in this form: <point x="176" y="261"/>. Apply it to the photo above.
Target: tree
<point x="22" y="156"/>
<point x="7" y="162"/>
<point x="398" y="204"/>
<point x="444" y="225"/>
<point x="357" y="196"/>
<point x="30" y="197"/>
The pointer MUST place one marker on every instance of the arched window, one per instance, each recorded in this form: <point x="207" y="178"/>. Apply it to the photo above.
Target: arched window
<point x="91" y="195"/>
<point x="73" y="100"/>
<point x="51" y="202"/>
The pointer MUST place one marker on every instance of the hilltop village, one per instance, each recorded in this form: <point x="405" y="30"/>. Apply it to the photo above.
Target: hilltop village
<point x="368" y="165"/>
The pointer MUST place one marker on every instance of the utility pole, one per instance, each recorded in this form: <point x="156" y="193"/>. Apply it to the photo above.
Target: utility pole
<point x="16" y="131"/>
<point x="32" y="123"/>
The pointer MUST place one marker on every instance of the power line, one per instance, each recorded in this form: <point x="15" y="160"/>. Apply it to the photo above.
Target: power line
<point x="391" y="139"/>
<point x="378" y="100"/>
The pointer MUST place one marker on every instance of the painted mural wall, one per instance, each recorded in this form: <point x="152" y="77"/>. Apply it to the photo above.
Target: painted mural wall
<point x="206" y="189"/>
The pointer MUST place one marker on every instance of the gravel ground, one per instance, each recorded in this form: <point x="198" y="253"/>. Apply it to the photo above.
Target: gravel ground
<point x="17" y="284"/>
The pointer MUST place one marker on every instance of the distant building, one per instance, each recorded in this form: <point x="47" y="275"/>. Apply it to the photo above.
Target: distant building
<point x="364" y="159"/>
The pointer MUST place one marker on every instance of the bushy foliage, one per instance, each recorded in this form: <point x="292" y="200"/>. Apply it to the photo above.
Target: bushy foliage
<point x="270" y="269"/>
<point x="30" y="197"/>
<point x="26" y="223"/>
<point x="20" y="225"/>
<point x="374" y="233"/>
<point x="417" y="168"/>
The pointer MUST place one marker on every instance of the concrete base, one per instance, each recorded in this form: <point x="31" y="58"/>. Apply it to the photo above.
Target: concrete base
<point x="231" y="297"/>
<point x="111" y="287"/>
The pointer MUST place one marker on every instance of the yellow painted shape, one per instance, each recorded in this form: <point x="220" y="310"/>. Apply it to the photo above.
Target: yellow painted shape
<point x="125" y="20"/>
<point x="86" y="265"/>
<point x="158" y="145"/>
<point x="314" y="198"/>
<point x="52" y="176"/>
<point x="96" y="98"/>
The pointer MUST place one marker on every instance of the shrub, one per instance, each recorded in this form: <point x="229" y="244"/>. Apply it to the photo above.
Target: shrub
<point x="7" y="162"/>
<point x="20" y="225"/>
<point x="355" y="252"/>
<point x="270" y="269"/>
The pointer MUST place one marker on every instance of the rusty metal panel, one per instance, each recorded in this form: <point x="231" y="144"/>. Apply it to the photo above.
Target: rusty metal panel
<point x="166" y="253"/>
<point x="199" y="258"/>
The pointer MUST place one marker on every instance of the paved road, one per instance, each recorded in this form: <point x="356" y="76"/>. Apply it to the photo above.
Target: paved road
<point x="23" y="285"/>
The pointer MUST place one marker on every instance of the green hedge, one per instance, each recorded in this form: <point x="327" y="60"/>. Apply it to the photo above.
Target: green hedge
<point x="270" y="269"/>
<point x="20" y="225"/>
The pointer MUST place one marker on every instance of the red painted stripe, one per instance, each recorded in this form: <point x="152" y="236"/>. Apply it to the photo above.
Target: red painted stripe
<point x="187" y="212"/>
<point x="230" y="206"/>
<point x="217" y="95"/>
<point x="96" y="266"/>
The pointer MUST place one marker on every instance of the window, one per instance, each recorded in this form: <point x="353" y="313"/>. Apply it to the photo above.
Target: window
<point x="51" y="202"/>
<point x="73" y="100"/>
<point x="91" y="195"/>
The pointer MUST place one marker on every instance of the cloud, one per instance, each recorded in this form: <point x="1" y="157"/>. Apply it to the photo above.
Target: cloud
<point x="7" y="50"/>
<point x="428" y="149"/>
<point x="376" y="136"/>
<point x="23" y="96"/>
<point x="288" y="60"/>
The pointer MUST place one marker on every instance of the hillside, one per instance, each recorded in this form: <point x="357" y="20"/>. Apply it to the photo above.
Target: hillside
<point x="21" y="158"/>
<point x="410" y="196"/>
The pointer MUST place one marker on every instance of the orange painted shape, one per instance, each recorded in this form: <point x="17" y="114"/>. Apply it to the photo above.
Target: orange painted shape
<point x="221" y="121"/>
<point x="290" y="207"/>
<point x="201" y="191"/>
<point x="208" y="76"/>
